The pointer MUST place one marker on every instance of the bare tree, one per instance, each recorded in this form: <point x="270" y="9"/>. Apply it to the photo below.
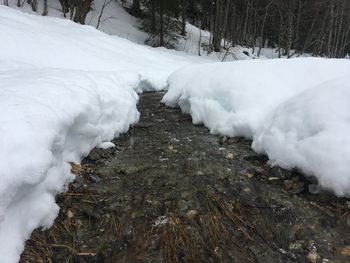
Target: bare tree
<point x="105" y="4"/>
<point x="34" y="5"/>
<point x="45" y="8"/>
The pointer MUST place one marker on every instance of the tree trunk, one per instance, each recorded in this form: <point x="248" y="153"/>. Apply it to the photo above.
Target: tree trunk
<point x="199" y="40"/>
<point x="330" y="30"/>
<point x="183" y="17"/>
<point x="245" y="24"/>
<point x="161" y="17"/>
<point x="34" y="5"/>
<point x="82" y="8"/>
<point x="262" y="29"/>
<point x="45" y="8"/>
<point x="136" y="9"/>
<point x="65" y="7"/>
<point x="153" y="23"/>
<point x="216" y="41"/>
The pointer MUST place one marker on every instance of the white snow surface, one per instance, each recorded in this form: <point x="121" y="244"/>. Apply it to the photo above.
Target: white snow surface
<point x="64" y="89"/>
<point x="50" y="117"/>
<point x="296" y="111"/>
<point x="116" y="21"/>
<point x="60" y="43"/>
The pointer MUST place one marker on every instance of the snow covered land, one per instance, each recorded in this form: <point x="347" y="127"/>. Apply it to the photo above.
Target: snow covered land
<point x="64" y="89"/>
<point x="67" y="88"/>
<point x="116" y="21"/>
<point x="296" y="111"/>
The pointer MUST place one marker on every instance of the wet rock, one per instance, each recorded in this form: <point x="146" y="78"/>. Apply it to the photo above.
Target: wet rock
<point x="199" y="172"/>
<point x="70" y="214"/>
<point x="191" y="214"/>
<point x="253" y="157"/>
<point x="288" y="184"/>
<point x="97" y="154"/>
<point x="230" y="156"/>
<point x="297" y="245"/>
<point x="78" y="183"/>
<point x="274" y="179"/>
<point x="223" y="140"/>
<point x="294" y="186"/>
<point x="94" y="178"/>
<point x="143" y="124"/>
<point x="279" y="173"/>
<point x="249" y="175"/>
<point x="313" y="257"/>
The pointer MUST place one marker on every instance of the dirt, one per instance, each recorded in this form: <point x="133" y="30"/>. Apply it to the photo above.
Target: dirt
<point x="171" y="192"/>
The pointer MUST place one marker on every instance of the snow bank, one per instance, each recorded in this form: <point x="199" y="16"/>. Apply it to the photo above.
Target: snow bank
<point x="311" y="131"/>
<point x="49" y="118"/>
<point x="64" y="89"/>
<point x="296" y="111"/>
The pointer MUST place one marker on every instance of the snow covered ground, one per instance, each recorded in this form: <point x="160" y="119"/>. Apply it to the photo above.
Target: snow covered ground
<point x="64" y="89"/>
<point x="114" y="20"/>
<point x="117" y="22"/>
<point x="296" y="111"/>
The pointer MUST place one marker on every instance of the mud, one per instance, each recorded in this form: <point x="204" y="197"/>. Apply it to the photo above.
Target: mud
<point x="171" y="192"/>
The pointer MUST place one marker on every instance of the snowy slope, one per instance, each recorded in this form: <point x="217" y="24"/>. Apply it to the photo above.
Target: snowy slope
<point x="70" y="45"/>
<point x="116" y="21"/>
<point x="296" y="111"/>
<point x="64" y="89"/>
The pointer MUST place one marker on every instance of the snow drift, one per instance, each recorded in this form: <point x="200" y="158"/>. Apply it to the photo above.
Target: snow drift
<point x="64" y="89"/>
<point x="311" y="131"/>
<point x="296" y="111"/>
<point x="49" y="118"/>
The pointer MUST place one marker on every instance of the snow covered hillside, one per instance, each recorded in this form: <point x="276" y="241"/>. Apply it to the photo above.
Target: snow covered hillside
<point x="117" y="22"/>
<point x="296" y="111"/>
<point x="64" y="89"/>
<point x="114" y="20"/>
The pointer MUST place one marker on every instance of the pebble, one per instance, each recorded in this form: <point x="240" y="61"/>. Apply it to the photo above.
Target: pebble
<point x="70" y="214"/>
<point x="279" y="173"/>
<point x="191" y="214"/>
<point x="94" y="178"/>
<point x="288" y="184"/>
<point x="313" y="257"/>
<point x="247" y="190"/>
<point x="223" y="140"/>
<point x="230" y="156"/>
<point x="199" y="173"/>
<point x="273" y="179"/>
<point x="297" y="245"/>
<point x="249" y="175"/>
